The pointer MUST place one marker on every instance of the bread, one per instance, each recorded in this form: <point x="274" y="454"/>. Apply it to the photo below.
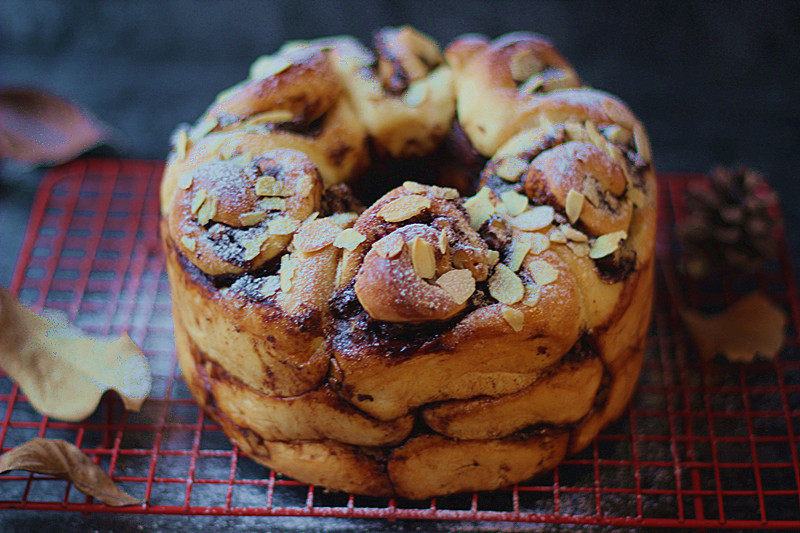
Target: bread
<point x="439" y="340"/>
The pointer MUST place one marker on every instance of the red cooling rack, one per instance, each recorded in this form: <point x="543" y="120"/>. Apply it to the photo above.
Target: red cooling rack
<point x="702" y="444"/>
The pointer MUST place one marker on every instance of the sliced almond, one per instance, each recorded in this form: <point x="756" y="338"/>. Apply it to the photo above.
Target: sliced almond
<point x="198" y="200"/>
<point x="315" y="235"/>
<point x="266" y="66"/>
<point x="349" y="239"/>
<point x="390" y="246"/>
<point x="515" y="203"/>
<point x="573" y="234"/>
<point x="511" y="169"/>
<point x="642" y="143"/>
<point x="344" y="220"/>
<point x="537" y="218"/>
<point x="607" y="244"/>
<point x="181" y="143"/>
<point x="415" y="95"/>
<point x="505" y="286"/>
<point x="558" y="236"/>
<point x="532" y="294"/>
<point x="539" y="242"/>
<point x="519" y="250"/>
<point x="581" y="249"/>
<point x="543" y="272"/>
<point x="444" y="242"/>
<point x="286" y="272"/>
<point x="202" y="128"/>
<point x="524" y="64"/>
<point x="459" y="284"/>
<point x="423" y="257"/>
<point x="272" y="204"/>
<point x="185" y="181"/>
<point x="492" y="257"/>
<point x="269" y="186"/>
<point x="479" y="208"/>
<point x="573" y="205"/>
<point x="252" y="218"/>
<point x="514" y="317"/>
<point x="283" y="226"/>
<point x="269" y="117"/>
<point x="405" y="207"/>
<point x="594" y="135"/>
<point x="446" y="193"/>
<point x="270" y="286"/>
<point x="414" y="187"/>
<point x="252" y="248"/>
<point x="229" y="151"/>
<point x="189" y="243"/>
<point x="207" y="210"/>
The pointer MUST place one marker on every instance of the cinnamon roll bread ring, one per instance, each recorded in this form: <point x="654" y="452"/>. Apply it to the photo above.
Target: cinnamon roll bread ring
<point x="431" y="343"/>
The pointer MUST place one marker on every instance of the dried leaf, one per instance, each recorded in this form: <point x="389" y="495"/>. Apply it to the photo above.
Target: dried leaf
<point x="61" y="371"/>
<point x="59" y="458"/>
<point x="42" y="128"/>
<point x="752" y="326"/>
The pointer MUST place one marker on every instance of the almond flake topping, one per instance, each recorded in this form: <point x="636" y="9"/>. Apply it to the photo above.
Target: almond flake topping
<point x="185" y="181"/>
<point x="505" y="286"/>
<point x="283" y="226"/>
<point x="518" y="252"/>
<point x="581" y="249"/>
<point x="207" y="210"/>
<point x="558" y="236"/>
<point x="514" y="317"/>
<point x="573" y="234"/>
<point x="202" y="129"/>
<point x="458" y="284"/>
<point x="252" y="248"/>
<point x="535" y="219"/>
<point x="575" y="132"/>
<point x="642" y="143"/>
<point x="349" y="239"/>
<point x="618" y="134"/>
<point x="479" y="208"/>
<point x="532" y="294"/>
<point x="607" y="244"/>
<point x="198" y="200"/>
<point x="543" y="272"/>
<point x="270" y="286"/>
<point x="594" y="135"/>
<point x="414" y="187"/>
<point x="344" y="220"/>
<point x="515" y="202"/>
<point x="492" y="257"/>
<point x="423" y="257"/>
<point x="574" y="205"/>
<point x="180" y="147"/>
<point x="189" y="243"/>
<point x="539" y="242"/>
<point x="269" y="186"/>
<point x="272" y="204"/>
<point x="511" y="169"/>
<point x="252" y="218"/>
<point x="286" y="272"/>
<point x="444" y="242"/>
<point x="403" y="208"/>
<point x="390" y="246"/>
<point x="268" y="117"/>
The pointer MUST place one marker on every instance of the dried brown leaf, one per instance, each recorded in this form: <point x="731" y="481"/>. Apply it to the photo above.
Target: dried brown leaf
<point x="59" y="458"/>
<point x="750" y="327"/>
<point x="63" y="372"/>
<point x="42" y="128"/>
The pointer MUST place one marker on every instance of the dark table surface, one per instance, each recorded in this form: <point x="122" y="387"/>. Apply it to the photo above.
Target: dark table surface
<point x="715" y="83"/>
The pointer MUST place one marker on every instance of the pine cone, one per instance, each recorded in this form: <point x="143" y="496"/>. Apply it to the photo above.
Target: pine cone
<point x="728" y="225"/>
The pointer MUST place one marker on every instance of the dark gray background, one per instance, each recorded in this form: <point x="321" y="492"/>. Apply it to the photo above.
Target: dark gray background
<point x="715" y="83"/>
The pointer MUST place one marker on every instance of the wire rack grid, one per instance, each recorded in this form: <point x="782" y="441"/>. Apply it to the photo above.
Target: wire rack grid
<point x="702" y="444"/>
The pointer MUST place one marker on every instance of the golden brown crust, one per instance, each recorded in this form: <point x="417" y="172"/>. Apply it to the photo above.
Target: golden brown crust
<point x="432" y="343"/>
